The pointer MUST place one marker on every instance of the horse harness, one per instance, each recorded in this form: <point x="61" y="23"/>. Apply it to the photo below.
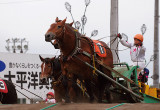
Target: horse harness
<point x="56" y="78"/>
<point x="78" y="49"/>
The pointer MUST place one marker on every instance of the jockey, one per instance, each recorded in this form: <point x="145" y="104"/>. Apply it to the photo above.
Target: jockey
<point x="137" y="51"/>
<point x="50" y="98"/>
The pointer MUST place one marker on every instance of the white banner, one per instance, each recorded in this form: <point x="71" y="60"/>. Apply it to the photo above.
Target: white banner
<point x="24" y="71"/>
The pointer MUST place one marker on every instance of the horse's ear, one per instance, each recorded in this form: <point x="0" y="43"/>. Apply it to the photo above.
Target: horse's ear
<point x="42" y="59"/>
<point x="71" y="23"/>
<point x="63" y="22"/>
<point x="52" y="59"/>
<point x="57" y="19"/>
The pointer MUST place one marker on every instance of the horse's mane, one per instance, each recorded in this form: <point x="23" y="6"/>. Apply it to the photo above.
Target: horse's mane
<point x="73" y="29"/>
<point x="59" y="20"/>
<point x="57" y="64"/>
<point x="47" y="60"/>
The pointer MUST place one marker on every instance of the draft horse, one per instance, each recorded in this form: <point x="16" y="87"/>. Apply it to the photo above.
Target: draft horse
<point x="75" y="50"/>
<point x="51" y="68"/>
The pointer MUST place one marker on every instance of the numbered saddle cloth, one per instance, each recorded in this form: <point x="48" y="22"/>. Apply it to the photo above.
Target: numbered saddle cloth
<point x="3" y="86"/>
<point x="99" y="48"/>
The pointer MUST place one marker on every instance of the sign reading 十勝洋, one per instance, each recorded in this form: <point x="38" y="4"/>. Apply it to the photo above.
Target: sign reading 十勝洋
<point x="24" y="70"/>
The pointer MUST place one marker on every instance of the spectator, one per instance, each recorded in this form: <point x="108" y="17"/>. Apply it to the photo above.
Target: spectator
<point x="50" y="98"/>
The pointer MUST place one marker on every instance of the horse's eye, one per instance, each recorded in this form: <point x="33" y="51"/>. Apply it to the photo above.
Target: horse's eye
<point x="49" y="66"/>
<point x="59" y="27"/>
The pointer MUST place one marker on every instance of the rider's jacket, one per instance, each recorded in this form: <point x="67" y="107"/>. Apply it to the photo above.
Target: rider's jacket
<point x="137" y="52"/>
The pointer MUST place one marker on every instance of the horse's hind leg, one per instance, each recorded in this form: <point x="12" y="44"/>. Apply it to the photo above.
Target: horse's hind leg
<point x="108" y="84"/>
<point x="108" y="94"/>
<point x="104" y="85"/>
<point x="89" y="90"/>
<point x="101" y="86"/>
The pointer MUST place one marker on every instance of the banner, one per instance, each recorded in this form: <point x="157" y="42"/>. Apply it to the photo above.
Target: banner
<point x="24" y="70"/>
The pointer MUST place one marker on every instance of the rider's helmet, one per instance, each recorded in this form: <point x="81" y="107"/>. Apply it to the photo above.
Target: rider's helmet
<point x="139" y="37"/>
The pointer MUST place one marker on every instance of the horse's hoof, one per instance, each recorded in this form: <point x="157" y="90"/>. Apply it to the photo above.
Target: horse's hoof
<point x="72" y="102"/>
<point x="62" y="103"/>
<point x="91" y="100"/>
<point x="99" y="101"/>
<point x="67" y="101"/>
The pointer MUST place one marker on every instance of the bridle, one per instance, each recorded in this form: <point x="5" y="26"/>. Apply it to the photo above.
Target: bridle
<point x="61" y="33"/>
<point x="54" y="68"/>
<point x="44" y="65"/>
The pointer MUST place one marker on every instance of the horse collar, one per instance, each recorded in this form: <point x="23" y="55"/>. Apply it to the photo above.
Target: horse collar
<point x="77" y="47"/>
<point x="75" y="51"/>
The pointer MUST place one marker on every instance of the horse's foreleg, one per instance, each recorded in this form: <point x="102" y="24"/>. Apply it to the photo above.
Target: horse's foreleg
<point x="73" y="88"/>
<point x="108" y="84"/>
<point x="72" y="91"/>
<point x="65" y="84"/>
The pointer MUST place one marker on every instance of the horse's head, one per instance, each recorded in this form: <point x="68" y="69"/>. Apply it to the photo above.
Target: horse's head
<point x="56" y="30"/>
<point x="46" y="68"/>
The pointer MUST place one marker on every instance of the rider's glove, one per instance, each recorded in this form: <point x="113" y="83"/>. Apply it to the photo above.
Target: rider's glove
<point x="119" y="35"/>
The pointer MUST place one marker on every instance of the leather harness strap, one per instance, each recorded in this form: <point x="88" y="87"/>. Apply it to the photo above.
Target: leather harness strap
<point x="78" y="49"/>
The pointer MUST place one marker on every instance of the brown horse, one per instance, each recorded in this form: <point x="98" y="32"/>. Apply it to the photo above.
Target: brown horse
<point x="50" y="68"/>
<point x="72" y="45"/>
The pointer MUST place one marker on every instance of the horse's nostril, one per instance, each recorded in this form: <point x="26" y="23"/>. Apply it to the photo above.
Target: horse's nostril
<point x="47" y="35"/>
